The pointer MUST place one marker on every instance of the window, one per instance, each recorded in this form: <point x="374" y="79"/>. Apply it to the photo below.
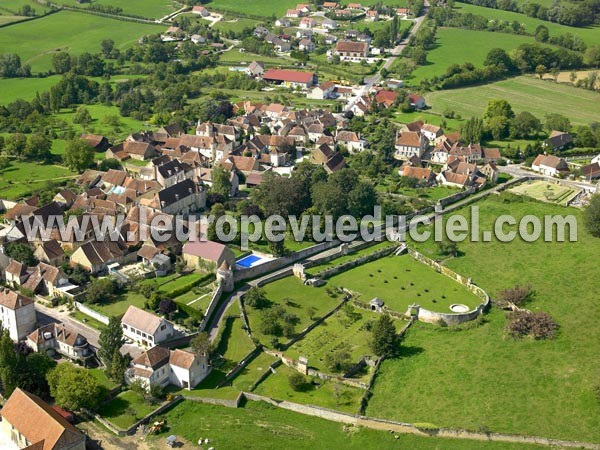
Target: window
<point x="163" y="327"/>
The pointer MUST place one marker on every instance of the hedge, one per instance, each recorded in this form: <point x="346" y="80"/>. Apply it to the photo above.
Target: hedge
<point x="208" y="278"/>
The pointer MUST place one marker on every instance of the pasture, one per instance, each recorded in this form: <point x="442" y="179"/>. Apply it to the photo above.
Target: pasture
<point x="590" y="35"/>
<point x="458" y="46"/>
<point x="262" y="424"/>
<point x="524" y="93"/>
<point x="545" y="192"/>
<point x="22" y="178"/>
<point x="37" y="40"/>
<point x="151" y="9"/>
<point x="262" y="8"/>
<point x="480" y="377"/>
<point x="12" y="7"/>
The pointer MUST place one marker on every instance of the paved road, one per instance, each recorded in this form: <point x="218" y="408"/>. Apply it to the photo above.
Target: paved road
<point x="371" y="81"/>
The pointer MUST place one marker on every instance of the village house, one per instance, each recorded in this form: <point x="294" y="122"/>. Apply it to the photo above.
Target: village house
<point x="50" y="252"/>
<point x="329" y="24"/>
<point x="145" y="328"/>
<point x="173" y="172"/>
<point x="290" y="78"/>
<point x="424" y="176"/>
<point x="308" y="22"/>
<point x="325" y="156"/>
<point x="142" y="151"/>
<point x="284" y="22"/>
<point x="206" y="256"/>
<point x="558" y="140"/>
<point x="306" y="45"/>
<point x="416" y="101"/>
<point x="431" y="132"/>
<point x="184" y="197"/>
<point x="31" y="424"/>
<point x="56" y="337"/>
<point x="372" y="15"/>
<point x="199" y="9"/>
<point x="293" y="13"/>
<point x="256" y="69"/>
<point x="350" y="140"/>
<point x="351" y="50"/>
<point x="408" y="144"/>
<point x="330" y="5"/>
<point x="591" y="171"/>
<point x="385" y="99"/>
<point x="98" y="142"/>
<point x="198" y="39"/>
<point x="45" y="280"/>
<point x="550" y="165"/>
<point x="96" y="256"/>
<point x="17" y="314"/>
<point x="162" y="367"/>
<point x="323" y="91"/>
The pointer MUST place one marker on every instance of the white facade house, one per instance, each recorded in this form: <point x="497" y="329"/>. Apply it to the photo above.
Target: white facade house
<point x="145" y="328"/>
<point x="160" y="366"/>
<point x="17" y="314"/>
<point x="550" y="165"/>
<point x="409" y="144"/>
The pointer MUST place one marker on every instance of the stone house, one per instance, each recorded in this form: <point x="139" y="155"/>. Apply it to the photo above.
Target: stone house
<point x="57" y="337"/>
<point x="550" y="165"/>
<point x="207" y="255"/>
<point x="145" y="328"/>
<point x="17" y="314"/>
<point x="409" y="144"/>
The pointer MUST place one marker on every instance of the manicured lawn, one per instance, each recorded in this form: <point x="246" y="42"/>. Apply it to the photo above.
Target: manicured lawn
<point x="524" y="93"/>
<point x="590" y="35"/>
<point x="36" y="41"/>
<point x="264" y="8"/>
<point x="546" y="192"/>
<point x="337" y="332"/>
<point x="401" y="281"/>
<point x="480" y="377"/>
<point x="457" y="46"/>
<point x="428" y="117"/>
<point x="314" y="270"/>
<point x="100" y="375"/>
<point x="125" y="409"/>
<point x="87" y="320"/>
<point x="266" y="427"/>
<point x="321" y="393"/>
<point x="233" y="342"/>
<point x="153" y="9"/>
<point x="300" y="299"/>
<point x="21" y="178"/>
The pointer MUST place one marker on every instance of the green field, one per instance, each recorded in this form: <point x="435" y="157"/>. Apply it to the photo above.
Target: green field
<point x="237" y="24"/>
<point x="401" y="281"/>
<point x="546" y="192"/>
<point x="322" y="393"/>
<point x="458" y="46"/>
<point x="74" y="32"/>
<point x="125" y="409"/>
<point x="12" y="89"/>
<point x="589" y="35"/>
<point x="13" y="6"/>
<point x="21" y="178"/>
<point x="4" y="19"/>
<point x="524" y="93"/>
<point x="263" y="8"/>
<point x="266" y="426"/>
<point x="479" y="377"/>
<point x="152" y="9"/>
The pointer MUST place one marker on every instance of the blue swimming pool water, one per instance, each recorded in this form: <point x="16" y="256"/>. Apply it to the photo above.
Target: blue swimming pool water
<point x="248" y="261"/>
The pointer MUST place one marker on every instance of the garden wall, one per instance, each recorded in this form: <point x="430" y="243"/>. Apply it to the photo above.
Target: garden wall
<point x="90" y="312"/>
<point x="217" y="401"/>
<point x="214" y="301"/>
<point x="328" y="273"/>
<point x="240" y="366"/>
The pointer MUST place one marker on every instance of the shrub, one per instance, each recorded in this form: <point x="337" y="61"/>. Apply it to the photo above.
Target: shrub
<point x="256" y="298"/>
<point x="538" y="325"/>
<point x="517" y="295"/>
<point x="298" y="382"/>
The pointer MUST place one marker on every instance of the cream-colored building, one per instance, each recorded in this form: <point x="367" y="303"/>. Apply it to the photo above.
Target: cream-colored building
<point x="17" y="314"/>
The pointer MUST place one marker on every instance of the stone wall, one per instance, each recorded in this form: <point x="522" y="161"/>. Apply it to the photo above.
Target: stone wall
<point x="240" y="366"/>
<point x="217" y="401"/>
<point x="328" y="273"/>
<point x="457" y="197"/>
<point x="214" y="301"/>
<point x="91" y="313"/>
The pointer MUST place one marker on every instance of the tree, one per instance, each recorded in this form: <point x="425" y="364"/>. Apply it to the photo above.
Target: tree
<point x="558" y="122"/>
<point x="298" y="382"/>
<point x="111" y="340"/>
<point x="339" y="360"/>
<point x="362" y="199"/>
<point x="107" y="46"/>
<point x="384" y="340"/>
<point x="221" y="181"/>
<point x="82" y="117"/>
<point x="498" y="108"/>
<point x="9" y="364"/>
<point x="472" y="130"/>
<point x="100" y="289"/>
<point x="447" y="248"/>
<point x="62" y="62"/>
<point x="21" y="252"/>
<point x="540" y="70"/>
<point x="517" y="295"/>
<point x="555" y="72"/>
<point x="256" y="298"/>
<point x="78" y="155"/>
<point x="525" y="125"/>
<point x="499" y="57"/>
<point x="541" y="33"/>
<point x="202" y="346"/>
<point x="591" y="216"/>
<point x="38" y="147"/>
<point x="167" y="306"/>
<point x="74" y="388"/>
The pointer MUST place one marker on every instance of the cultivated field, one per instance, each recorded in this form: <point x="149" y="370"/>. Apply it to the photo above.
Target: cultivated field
<point x="546" y="192"/>
<point x="73" y="32"/>
<point x="481" y="378"/>
<point x="524" y="93"/>
<point x="458" y="46"/>
<point x="589" y="35"/>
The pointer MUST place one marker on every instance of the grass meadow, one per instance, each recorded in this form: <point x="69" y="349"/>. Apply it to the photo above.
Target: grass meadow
<point x="458" y="46"/>
<point x="125" y="409"/>
<point x="37" y="40"/>
<point x="524" y="93"/>
<point x="152" y="9"/>
<point x="260" y="424"/>
<point x="478" y="377"/>
<point x="546" y="192"/>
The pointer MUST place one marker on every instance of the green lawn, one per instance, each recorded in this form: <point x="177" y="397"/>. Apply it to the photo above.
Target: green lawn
<point x="266" y="427"/>
<point x="125" y="409"/>
<point x="321" y="393"/>
<point x="524" y="93"/>
<point x="401" y="281"/>
<point x="589" y="35"/>
<point x="349" y="257"/>
<point x="299" y="299"/>
<point x="21" y="178"/>
<point x="458" y="46"/>
<point x="263" y="8"/>
<point x="4" y="19"/>
<point x="36" y="41"/>
<point x="233" y="342"/>
<point x="152" y="9"/>
<point x="540" y="190"/>
<point x="480" y="377"/>
<point x="100" y="375"/>
<point x="12" y="89"/>
<point x="429" y="117"/>
<point x="78" y="315"/>
<point x="235" y="24"/>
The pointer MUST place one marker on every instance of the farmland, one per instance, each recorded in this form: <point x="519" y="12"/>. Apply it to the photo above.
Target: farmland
<point x="262" y="8"/>
<point x="153" y="9"/>
<point x="524" y="93"/>
<point x="37" y="40"/>
<point x="471" y="378"/>
<point x="457" y="46"/>
<point x="22" y="178"/>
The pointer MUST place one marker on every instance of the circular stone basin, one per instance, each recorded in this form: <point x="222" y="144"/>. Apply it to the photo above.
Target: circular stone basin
<point x="459" y="308"/>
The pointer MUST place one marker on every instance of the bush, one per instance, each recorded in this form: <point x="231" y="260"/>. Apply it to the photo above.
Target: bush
<point x="298" y="382"/>
<point x="517" y="295"/>
<point x="538" y="325"/>
<point x="174" y="293"/>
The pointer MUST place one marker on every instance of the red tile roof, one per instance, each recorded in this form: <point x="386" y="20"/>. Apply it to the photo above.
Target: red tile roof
<point x="293" y="76"/>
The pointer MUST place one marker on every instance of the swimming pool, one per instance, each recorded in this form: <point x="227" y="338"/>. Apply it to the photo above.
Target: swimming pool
<point x="248" y="261"/>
